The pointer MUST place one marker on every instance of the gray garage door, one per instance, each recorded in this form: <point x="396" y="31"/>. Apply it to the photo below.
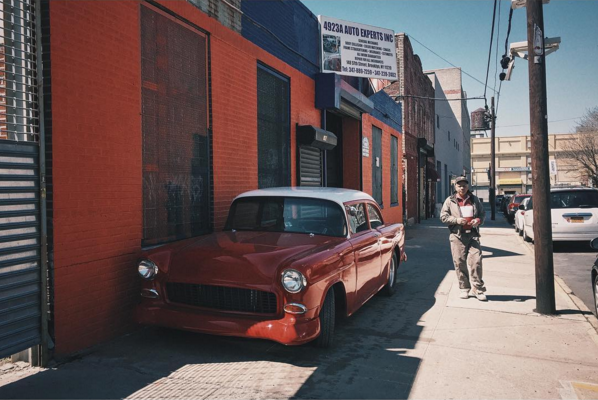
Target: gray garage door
<point x="20" y="222"/>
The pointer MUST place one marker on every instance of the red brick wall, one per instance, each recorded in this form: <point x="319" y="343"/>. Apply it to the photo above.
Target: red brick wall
<point x="390" y="213"/>
<point x="97" y="166"/>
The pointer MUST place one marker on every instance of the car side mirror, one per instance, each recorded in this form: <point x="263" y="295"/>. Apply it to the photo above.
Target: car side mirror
<point x="521" y="207"/>
<point x="594" y="244"/>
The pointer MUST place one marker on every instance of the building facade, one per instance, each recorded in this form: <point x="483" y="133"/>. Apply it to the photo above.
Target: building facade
<point x="449" y="146"/>
<point x="156" y="114"/>
<point x="415" y="93"/>
<point x="514" y="165"/>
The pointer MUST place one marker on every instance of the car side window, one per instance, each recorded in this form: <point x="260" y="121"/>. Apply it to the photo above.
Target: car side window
<point x="375" y="217"/>
<point x="357" y="219"/>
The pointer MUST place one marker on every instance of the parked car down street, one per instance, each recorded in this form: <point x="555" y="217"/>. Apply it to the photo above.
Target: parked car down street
<point x="519" y="216"/>
<point x="513" y="205"/>
<point x="574" y="214"/>
<point x="289" y="261"/>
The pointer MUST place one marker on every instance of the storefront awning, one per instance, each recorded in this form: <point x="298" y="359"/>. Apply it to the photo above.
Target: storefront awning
<point x="510" y="182"/>
<point x="333" y="93"/>
<point x="316" y="137"/>
<point x="431" y="173"/>
<point x="425" y="147"/>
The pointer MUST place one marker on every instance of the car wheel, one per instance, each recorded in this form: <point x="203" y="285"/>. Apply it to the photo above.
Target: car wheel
<point x="525" y="237"/>
<point x="389" y="289"/>
<point x="516" y="227"/>
<point x="521" y="232"/>
<point x="327" y="319"/>
<point x="596" y="295"/>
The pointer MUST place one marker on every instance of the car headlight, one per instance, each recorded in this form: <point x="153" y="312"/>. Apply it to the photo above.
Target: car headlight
<point x="147" y="269"/>
<point x="293" y="281"/>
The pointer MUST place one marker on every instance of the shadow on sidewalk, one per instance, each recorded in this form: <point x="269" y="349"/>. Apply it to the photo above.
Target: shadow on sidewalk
<point x="510" y="298"/>
<point x="373" y="356"/>
<point x="490" y="252"/>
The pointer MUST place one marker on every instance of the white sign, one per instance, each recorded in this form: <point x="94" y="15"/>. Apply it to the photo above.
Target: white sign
<point x="353" y="49"/>
<point x="553" y="169"/>
<point x="365" y="147"/>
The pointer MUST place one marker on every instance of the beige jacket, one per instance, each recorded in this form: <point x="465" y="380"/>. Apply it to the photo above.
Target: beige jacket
<point x="451" y="211"/>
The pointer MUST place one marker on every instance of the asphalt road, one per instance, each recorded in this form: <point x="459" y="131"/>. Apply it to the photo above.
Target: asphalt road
<point x="572" y="263"/>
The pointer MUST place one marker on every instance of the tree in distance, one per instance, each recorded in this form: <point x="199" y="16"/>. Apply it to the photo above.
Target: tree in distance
<point x="584" y="147"/>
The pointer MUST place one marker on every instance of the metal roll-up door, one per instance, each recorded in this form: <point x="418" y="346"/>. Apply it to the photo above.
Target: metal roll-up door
<point x="22" y="289"/>
<point x="20" y="271"/>
<point x="310" y="166"/>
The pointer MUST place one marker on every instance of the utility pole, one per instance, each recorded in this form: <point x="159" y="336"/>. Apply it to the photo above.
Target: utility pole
<point x="545" y="297"/>
<point x="492" y="161"/>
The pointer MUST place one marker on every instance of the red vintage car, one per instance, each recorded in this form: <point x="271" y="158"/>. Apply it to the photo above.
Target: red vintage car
<point x="288" y="262"/>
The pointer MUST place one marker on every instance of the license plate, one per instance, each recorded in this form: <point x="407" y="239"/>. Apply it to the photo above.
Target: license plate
<point x="578" y="220"/>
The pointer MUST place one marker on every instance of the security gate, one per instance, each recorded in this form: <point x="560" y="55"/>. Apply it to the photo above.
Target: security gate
<point x="22" y="284"/>
<point x="20" y="272"/>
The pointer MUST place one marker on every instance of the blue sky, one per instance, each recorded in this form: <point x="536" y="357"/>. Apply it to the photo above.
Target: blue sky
<point x="459" y="31"/>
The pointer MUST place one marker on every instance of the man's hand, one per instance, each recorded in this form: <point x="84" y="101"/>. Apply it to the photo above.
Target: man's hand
<point x="475" y="222"/>
<point x="461" y="221"/>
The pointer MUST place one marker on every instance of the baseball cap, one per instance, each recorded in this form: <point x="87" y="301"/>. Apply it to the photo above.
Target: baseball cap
<point x="460" y="179"/>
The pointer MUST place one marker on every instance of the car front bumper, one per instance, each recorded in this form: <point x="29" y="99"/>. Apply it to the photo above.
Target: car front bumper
<point x="288" y="330"/>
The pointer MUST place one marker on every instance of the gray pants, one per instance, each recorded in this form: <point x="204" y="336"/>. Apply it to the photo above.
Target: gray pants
<point x="467" y="257"/>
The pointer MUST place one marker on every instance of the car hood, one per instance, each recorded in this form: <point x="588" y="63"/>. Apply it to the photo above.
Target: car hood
<point x="242" y="258"/>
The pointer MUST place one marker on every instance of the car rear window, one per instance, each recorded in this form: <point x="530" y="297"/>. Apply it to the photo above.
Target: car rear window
<point x="574" y="199"/>
<point x="287" y="214"/>
<point x="519" y="199"/>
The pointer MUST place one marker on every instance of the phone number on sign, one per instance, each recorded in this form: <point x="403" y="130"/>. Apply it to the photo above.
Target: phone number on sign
<point x="367" y="71"/>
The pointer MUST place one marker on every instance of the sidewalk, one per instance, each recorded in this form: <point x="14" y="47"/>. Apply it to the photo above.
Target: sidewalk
<point x="422" y="343"/>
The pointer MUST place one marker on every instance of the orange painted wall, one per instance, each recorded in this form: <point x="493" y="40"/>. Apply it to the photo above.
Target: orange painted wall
<point x="96" y="107"/>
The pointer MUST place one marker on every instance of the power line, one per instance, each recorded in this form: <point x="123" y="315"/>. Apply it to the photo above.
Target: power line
<point x="447" y="61"/>
<point x="556" y="120"/>
<point x="490" y="50"/>
<point x="496" y="51"/>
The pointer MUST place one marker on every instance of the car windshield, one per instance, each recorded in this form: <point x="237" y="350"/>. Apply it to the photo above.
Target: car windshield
<point x="574" y="199"/>
<point x="287" y="214"/>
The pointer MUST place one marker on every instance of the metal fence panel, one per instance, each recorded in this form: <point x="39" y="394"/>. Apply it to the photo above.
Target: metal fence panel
<point x="20" y="269"/>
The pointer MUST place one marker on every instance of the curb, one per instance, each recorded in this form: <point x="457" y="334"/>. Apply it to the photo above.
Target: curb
<point x="591" y="318"/>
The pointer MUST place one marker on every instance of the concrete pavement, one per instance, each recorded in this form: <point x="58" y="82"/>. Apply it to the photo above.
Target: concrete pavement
<point x="422" y="343"/>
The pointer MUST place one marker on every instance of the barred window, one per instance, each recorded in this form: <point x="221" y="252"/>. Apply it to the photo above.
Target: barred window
<point x="274" y="130"/>
<point x="174" y="99"/>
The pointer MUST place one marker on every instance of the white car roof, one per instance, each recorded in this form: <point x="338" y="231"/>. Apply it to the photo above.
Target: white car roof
<point x="561" y="189"/>
<point x="337" y="195"/>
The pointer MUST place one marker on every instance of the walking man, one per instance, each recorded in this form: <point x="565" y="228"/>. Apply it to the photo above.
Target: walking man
<point x="464" y="213"/>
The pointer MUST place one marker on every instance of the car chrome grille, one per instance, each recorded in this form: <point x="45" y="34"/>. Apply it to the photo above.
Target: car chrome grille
<point x="222" y="298"/>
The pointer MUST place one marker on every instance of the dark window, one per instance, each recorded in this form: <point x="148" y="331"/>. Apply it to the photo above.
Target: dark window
<point x="174" y="101"/>
<point x="394" y="170"/>
<point x="574" y="199"/>
<point x="449" y="136"/>
<point x="273" y="127"/>
<point x="375" y="217"/>
<point x="358" y="221"/>
<point x="437" y="121"/>
<point x="377" y="164"/>
<point x="287" y="214"/>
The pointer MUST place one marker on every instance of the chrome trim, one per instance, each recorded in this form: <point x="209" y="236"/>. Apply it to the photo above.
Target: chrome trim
<point x="301" y="306"/>
<point x="149" y="293"/>
<point x="303" y="280"/>
<point x="577" y="215"/>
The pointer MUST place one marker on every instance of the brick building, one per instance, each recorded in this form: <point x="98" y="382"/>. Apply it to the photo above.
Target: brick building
<point x="156" y="114"/>
<point x="415" y="93"/>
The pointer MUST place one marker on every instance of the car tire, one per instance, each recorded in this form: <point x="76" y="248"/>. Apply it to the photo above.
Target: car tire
<point x="327" y="321"/>
<point x="596" y="295"/>
<point x="525" y="237"/>
<point x="521" y="232"/>
<point x="517" y="228"/>
<point x="389" y="289"/>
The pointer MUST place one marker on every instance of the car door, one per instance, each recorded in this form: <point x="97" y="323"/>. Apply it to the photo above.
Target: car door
<point x="366" y="247"/>
<point x="528" y="219"/>
<point x="387" y="235"/>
